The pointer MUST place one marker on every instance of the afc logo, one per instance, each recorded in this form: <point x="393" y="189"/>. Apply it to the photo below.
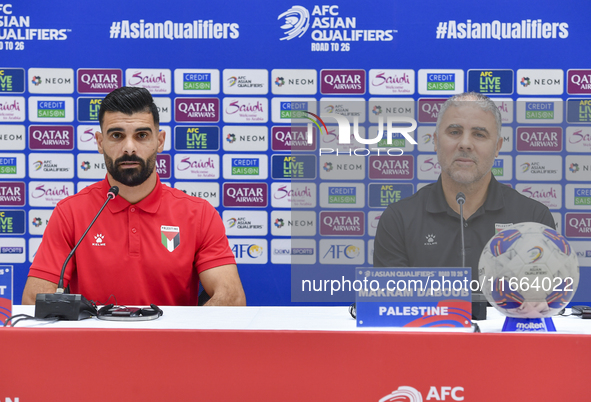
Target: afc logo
<point x="337" y="251"/>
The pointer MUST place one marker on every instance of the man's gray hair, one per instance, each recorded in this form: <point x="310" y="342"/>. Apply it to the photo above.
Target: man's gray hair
<point x="482" y="101"/>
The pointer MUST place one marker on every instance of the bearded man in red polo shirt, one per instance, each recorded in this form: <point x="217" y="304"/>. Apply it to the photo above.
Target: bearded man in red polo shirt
<point x="152" y="243"/>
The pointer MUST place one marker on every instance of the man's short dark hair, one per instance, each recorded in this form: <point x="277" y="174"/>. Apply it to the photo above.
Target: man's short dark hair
<point x="129" y="100"/>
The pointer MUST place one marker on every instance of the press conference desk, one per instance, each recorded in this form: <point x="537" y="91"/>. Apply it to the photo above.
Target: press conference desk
<point x="285" y="354"/>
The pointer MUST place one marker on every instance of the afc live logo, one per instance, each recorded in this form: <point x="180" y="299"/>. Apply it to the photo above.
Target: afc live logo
<point x="493" y="82"/>
<point x="293" y="166"/>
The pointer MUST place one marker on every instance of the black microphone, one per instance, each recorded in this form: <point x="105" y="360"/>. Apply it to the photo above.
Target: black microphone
<point x="64" y="305"/>
<point x="478" y="299"/>
<point x="461" y="199"/>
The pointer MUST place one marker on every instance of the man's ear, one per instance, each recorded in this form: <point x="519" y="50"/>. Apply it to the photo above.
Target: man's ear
<point x="435" y="140"/>
<point x="161" y="139"/>
<point x="499" y="145"/>
<point x="98" y="136"/>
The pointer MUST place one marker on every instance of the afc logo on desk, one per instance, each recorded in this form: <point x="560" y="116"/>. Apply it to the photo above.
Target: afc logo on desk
<point x="435" y="394"/>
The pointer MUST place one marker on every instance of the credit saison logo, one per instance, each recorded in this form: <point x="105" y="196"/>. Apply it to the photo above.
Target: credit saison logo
<point x="199" y="82"/>
<point x="51" y="109"/>
<point x="498" y="167"/>
<point x="8" y="165"/>
<point x="525" y="29"/>
<point x="328" y="26"/>
<point x="582" y="196"/>
<point x="539" y="110"/>
<point x="196" y="29"/>
<point x="245" y="166"/>
<point x="342" y="195"/>
<point x="441" y="82"/>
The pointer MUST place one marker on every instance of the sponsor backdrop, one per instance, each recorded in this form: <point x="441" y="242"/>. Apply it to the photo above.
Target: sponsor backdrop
<point x="228" y="78"/>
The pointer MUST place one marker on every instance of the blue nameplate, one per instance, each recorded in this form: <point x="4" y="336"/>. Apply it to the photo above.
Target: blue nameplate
<point x="413" y="297"/>
<point x="5" y="292"/>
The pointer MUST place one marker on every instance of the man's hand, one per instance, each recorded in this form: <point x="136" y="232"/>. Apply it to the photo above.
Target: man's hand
<point x="34" y="286"/>
<point x="223" y="285"/>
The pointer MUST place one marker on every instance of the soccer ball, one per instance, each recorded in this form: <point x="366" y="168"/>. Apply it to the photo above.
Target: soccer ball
<point x="528" y="271"/>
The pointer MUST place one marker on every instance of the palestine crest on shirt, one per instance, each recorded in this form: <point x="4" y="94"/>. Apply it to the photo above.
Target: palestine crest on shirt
<point x="171" y="237"/>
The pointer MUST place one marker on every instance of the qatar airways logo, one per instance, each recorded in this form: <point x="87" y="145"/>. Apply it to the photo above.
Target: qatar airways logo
<point x="94" y="81"/>
<point x="342" y="82"/>
<point x="156" y="81"/>
<point x="429" y="109"/>
<point x="578" y="224"/>
<point x="197" y="110"/>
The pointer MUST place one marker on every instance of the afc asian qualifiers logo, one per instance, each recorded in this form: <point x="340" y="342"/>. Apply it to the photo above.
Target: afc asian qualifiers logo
<point x="297" y="22"/>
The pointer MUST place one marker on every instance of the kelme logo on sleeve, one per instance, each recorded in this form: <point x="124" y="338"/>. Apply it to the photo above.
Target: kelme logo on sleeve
<point x="171" y="237"/>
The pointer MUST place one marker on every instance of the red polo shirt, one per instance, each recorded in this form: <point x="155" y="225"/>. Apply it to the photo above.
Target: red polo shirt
<point x="149" y="252"/>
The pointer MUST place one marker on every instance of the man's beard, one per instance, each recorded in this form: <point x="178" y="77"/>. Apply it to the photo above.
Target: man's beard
<point x="131" y="177"/>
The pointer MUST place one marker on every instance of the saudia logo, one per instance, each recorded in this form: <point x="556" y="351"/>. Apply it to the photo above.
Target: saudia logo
<point x="41" y="191"/>
<point x="187" y="163"/>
